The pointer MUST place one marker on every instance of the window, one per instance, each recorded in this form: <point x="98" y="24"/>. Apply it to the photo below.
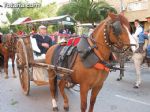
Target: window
<point x="138" y="5"/>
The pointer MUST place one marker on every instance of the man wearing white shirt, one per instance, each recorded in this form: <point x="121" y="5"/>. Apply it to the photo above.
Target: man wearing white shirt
<point x="137" y="33"/>
<point x="43" y="40"/>
<point x="144" y="35"/>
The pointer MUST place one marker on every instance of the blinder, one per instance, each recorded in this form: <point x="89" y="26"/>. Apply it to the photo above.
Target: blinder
<point x="117" y="28"/>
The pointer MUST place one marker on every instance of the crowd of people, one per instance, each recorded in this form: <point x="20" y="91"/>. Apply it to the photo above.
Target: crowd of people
<point x="44" y="41"/>
<point x="142" y="34"/>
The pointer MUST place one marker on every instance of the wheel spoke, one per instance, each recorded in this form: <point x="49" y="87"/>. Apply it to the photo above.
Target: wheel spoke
<point x="23" y="68"/>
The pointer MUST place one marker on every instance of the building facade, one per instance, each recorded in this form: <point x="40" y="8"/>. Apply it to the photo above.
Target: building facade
<point x="133" y="9"/>
<point x="137" y="9"/>
<point x="116" y="4"/>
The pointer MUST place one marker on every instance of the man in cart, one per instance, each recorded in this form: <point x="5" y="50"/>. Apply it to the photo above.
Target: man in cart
<point x="40" y="44"/>
<point x="43" y="41"/>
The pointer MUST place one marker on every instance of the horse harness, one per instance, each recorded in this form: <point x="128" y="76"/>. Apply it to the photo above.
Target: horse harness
<point x="9" y="44"/>
<point x="87" y="50"/>
<point x="117" y="31"/>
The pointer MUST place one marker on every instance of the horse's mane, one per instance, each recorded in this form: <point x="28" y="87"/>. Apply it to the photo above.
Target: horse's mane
<point x="100" y="24"/>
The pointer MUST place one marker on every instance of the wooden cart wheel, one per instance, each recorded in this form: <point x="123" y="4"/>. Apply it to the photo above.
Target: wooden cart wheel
<point x="23" y="67"/>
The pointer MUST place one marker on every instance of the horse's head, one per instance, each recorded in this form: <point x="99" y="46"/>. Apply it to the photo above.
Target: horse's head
<point x="116" y="32"/>
<point x="112" y="34"/>
<point x="11" y="40"/>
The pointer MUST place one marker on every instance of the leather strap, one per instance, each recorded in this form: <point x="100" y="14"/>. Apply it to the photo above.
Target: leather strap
<point x="95" y="50"/>
<point x="99" y="66"/>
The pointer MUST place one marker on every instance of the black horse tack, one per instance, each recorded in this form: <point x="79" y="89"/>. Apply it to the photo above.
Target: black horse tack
<point x="88" y="56"/>
<point x="117" y="28"/>
<point x="64" y="56"/>
<point x="86" y="53"/>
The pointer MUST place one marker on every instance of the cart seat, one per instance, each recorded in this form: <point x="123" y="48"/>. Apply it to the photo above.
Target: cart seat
<point x="39" y="59"/>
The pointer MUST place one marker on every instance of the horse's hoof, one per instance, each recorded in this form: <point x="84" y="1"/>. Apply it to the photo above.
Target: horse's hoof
<point x="119" y="79"/>
<point x="66" y="109"/>
<point x="55" y="109"/>
<point x="14" y="76"/>
<point x="136" y="87"/>
<point x="6" y="77"/>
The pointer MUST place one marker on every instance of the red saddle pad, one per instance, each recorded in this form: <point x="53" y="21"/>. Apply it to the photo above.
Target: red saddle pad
<point x="73" y="41"/>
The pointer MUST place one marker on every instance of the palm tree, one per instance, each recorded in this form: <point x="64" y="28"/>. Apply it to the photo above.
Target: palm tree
<point x="86" y="11"/>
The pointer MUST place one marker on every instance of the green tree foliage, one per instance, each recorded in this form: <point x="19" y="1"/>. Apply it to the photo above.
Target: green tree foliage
<point x="34" y="13"/>
<point x="42" y="12"/>
<point x="86" y="11"/>
<point x="4" y="30"/>
<point x="14" y="16"/>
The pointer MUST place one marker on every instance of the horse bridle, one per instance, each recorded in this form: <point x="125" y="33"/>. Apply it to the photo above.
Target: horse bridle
<point x="116" y="26"/>
<point x="10" y="45"/>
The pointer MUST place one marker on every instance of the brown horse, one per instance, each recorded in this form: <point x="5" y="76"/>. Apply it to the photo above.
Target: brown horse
<point x="105" y="37"/>
<point x="7" y="49"/>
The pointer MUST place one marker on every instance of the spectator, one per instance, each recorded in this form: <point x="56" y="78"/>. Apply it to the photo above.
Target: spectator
<point x="42" y="39"/>
<point x="90" y="32"/>
<point x="138" y="31"/>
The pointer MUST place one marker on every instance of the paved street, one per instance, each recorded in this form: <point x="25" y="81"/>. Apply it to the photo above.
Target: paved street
<point x="114" y="97"/>
<point x="74" y="31"/>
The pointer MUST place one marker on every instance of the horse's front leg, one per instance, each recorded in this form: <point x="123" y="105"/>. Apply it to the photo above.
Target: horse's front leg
<point x="53" y="89"/>
<point x="13" y="66"/>
<point x="121" y="71"/>
<point x="62" y="84"/>
<point x="83" y="96"/>
<point x="6" y="67"/>
<point x="94" y="94"/>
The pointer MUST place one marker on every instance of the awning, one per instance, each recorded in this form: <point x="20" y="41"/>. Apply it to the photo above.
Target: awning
<point x="21" y="20"/>
<point x="65" y="19"/>
<point x="87" y="24"/>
